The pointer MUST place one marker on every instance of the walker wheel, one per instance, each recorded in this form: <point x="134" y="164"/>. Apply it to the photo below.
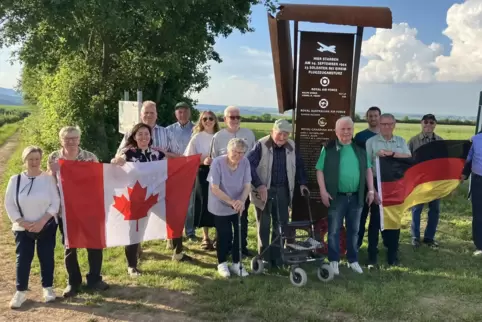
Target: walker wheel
<point x="298" y="277"/>
<point x="325" y="273"/>
<point x="257" y="265"/>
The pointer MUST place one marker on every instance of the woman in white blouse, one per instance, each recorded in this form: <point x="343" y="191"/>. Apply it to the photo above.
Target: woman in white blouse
<point x="32" y="202"/>
<point x="200" y="143"/>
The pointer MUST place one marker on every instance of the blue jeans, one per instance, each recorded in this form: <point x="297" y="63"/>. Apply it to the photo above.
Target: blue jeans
<point x="345" y="207"/>
<point x="189" y="224"/>
<point x="25" y="249"/>
<point x="432" y="222"/>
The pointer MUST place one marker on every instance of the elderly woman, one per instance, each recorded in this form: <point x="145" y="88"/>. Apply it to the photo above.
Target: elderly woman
<point x="70" y="140"/>
<point x="32" y="202"/>
<point x="138" y="149"/>
<point x="200" y="143"/>
<point x="230" y="185"/>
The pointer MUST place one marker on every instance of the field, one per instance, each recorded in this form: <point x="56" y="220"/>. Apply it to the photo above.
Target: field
<point x="431" y="285"/>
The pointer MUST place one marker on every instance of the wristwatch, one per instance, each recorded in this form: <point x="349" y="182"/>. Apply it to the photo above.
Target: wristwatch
<point x="371" y="191"/>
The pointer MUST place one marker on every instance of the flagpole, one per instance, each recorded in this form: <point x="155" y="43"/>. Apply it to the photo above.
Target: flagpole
<point x="380" y="192"/>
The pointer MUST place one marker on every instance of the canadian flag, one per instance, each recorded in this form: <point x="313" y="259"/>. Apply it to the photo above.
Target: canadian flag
<point x="105" y="205"/>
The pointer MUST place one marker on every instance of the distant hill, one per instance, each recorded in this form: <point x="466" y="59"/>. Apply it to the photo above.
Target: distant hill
<point x="9" y="96"/>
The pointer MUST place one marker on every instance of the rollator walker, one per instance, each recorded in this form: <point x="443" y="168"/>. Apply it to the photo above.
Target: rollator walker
<point x="295" y="252"/>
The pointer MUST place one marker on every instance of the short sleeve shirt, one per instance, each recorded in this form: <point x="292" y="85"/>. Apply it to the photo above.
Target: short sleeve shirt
<point x="230" y="182"/>
<point x="82" y="156"/>
<point x="349" y="176"/>
<point x="220" y="141"/>
<point x="395" y="144"/>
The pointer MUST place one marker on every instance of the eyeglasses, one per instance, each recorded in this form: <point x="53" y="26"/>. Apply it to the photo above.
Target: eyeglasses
<point x="427" y="122"/>
<point x="209" y="118"/>
<point x="237" y="117"/>
<point x="386" y="124"/>
<point x="67" y="139"/>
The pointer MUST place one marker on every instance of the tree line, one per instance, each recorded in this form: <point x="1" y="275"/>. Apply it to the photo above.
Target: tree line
<point x="11" y="116"/>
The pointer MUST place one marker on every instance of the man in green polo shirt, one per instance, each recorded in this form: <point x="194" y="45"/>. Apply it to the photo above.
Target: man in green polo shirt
<point x="385" y="145"/>
<point x="343" y="169"/>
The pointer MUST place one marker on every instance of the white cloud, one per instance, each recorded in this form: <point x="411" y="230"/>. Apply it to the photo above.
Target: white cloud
<point x="464" y="28"/>
<point x="256" y="53"/>
<point x="397" y="56"/>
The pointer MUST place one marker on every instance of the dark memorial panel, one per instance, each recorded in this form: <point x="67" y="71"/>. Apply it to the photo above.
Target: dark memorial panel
<point x="324" y="85"/>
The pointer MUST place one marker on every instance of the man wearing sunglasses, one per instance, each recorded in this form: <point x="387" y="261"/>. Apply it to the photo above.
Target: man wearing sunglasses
<point x="219" y="144"/>
<point x="427" y="135"/>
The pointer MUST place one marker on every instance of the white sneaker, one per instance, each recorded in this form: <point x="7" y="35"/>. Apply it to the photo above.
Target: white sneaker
<point x="334" y="266"/>
<point x="133" y="272"/>
<point x="223" y="270"/>
<point x="49" y="294"/>
<point x="18" y="299"/>
<point x="478" y="252"/>
<point x="355" y="267"/>
<point x="235" y="269"/>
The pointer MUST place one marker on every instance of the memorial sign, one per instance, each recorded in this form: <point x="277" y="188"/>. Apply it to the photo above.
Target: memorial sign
<point x="324" y="85"/>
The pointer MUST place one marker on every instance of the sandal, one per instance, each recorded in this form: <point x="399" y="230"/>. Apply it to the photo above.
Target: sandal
<point x="207" y="244"/>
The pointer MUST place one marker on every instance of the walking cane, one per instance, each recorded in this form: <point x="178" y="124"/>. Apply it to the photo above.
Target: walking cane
<point x="239" y="245"/>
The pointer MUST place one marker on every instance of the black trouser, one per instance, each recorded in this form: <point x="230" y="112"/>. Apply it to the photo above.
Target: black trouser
<point x="476" y="198"/>
<point x="25" y="250"/>
<point x="373" y="230"/>
<point x="94" y="256"/>
<point x="390" y="237"/>
<point x="224" y="229"/>
<point x="244" y="227"/>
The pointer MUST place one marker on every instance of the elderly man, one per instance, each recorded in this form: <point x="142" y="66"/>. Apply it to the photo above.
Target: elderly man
<point x="473" y="167"/>
<point x="385" y="145"/>
<point x="343" y="169"/>
<point x="161" y="140"/>
<point x="275" y="169"/>
<point x="427" y="135"/>
<point x="219" y="144"/>
<point x="373" y="119"/>
<point x="180" y="134"/>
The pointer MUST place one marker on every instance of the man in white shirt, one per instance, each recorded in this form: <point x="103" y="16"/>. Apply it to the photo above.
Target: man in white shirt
<point x="232" y="119"/>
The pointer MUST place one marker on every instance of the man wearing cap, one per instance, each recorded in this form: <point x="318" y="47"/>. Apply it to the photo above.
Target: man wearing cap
<point x="429" y="122"/>
<point x="275" y="170"/>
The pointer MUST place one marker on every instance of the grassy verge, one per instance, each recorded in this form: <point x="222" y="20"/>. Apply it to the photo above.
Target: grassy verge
<point x="432" y="285"/>
<point x="7" y="131"/>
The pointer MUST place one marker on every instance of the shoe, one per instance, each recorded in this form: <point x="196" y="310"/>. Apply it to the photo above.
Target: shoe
<point x="223" y="270"/>
<point x="70" y="291"/>
<point x="99" y="286"/>
<point x="235" y="269"/>
<point x="355" y="267"/>
<point x="18" y="299"/>
<point x="431" y="243"/>
<point x="182" y="258"/>
<point x="49" y="294"/>
<point x="169" y="245"/>
<point x="415" y="242"/>
<point x="334" y="266"/>
<point x="478" y="252"/>
<point x="133" y="271"/>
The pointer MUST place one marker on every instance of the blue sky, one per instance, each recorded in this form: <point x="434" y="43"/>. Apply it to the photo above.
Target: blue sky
<point x="412" y="68"/>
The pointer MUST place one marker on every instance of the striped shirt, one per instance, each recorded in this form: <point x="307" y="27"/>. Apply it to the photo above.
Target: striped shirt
<point x="160" y="140"/>
<point x="421" y="139"/>
<point x="180" y="135"/>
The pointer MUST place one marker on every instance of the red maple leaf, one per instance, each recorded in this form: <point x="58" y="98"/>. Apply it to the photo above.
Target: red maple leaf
<point x="137" y="206"/>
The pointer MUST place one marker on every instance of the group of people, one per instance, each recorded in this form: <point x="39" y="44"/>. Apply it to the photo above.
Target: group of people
<point x="235" y="170"/>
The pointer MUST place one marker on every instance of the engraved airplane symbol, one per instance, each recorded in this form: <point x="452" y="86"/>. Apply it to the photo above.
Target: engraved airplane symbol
<point x="324" y="48"/>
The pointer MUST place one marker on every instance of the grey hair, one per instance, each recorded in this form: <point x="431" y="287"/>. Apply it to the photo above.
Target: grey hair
<point x="231" y="109"/>
<point x="237" y="143"/>
<point x="69" y="129"/>
<point x="31" y="149"/>
<point x="388" y="115"/>
<point x="148" y="103"/>
<point x="343" y="119"/>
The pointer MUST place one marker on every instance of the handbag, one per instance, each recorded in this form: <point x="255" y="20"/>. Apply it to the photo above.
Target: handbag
<point x="47" y="225"/>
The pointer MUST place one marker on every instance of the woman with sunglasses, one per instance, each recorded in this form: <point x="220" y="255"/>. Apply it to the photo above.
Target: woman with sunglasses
<point x="200" y="143"/>
<point x="32" y="202"/>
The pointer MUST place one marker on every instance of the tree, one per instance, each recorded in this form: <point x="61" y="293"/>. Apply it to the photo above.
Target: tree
<point x="80" y="56"/>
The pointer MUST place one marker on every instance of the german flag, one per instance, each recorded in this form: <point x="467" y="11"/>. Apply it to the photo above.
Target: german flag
<point x="433" y="172"/>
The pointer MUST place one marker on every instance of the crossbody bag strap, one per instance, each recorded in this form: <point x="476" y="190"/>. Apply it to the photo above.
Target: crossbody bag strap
<point x="18" y="190"/>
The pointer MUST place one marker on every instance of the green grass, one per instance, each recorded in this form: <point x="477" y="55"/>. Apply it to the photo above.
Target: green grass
<point x="431" y="285"/>
<point x="16" y="107"/>
<point x="7" y="131"/>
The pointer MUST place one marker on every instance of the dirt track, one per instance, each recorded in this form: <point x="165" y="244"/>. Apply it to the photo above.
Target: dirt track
<point x="163" y="305"/>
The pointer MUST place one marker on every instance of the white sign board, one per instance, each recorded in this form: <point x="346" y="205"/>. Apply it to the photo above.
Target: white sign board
<point x="129" y="115"/>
